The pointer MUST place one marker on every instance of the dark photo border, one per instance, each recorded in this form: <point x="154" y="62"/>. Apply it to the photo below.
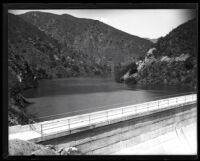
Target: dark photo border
<point x="4" y="62"/>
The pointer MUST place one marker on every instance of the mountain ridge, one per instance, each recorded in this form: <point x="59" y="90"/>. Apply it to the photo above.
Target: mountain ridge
<point x="89" y="36"/>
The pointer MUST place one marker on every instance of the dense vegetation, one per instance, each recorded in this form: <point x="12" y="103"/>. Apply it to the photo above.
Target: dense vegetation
<point x="174" y="60"/>
<point x="161" y="72"/>
<point x="182" y="39"/>
<point x="30" y="55"/>
<point x="91" y="37"/>
<point x="121" y="70"/>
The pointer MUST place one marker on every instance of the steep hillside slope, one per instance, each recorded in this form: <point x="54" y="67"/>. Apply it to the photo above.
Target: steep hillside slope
<point x="173" y="60"/>
<point x="181" y="40"/>
<point x="30" y="58"/>
<point x="91" y="37"/>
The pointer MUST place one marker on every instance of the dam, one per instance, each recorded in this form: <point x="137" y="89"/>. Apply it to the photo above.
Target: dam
<point x="114" y="130"/>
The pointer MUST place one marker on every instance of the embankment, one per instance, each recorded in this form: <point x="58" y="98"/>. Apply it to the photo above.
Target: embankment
<point x="114" y="137"/>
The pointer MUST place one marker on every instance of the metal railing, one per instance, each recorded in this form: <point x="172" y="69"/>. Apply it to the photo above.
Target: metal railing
<point x="89" y="119"/>
<point x="106" y="107"/>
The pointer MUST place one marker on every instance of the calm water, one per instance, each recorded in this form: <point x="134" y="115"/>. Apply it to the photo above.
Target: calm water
<point x="83" y="95"/>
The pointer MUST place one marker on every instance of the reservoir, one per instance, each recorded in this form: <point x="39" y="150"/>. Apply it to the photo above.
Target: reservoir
<point x="59" y="98"/>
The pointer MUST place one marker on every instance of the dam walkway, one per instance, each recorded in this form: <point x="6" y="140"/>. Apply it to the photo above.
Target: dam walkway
<point x="51" y="129"/>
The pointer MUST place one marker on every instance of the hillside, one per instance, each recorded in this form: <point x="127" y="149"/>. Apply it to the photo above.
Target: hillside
<point x="91" y="37"/>
<point x="30" y="58"/>
<point x="172" y="60"/>
<point x="182" y="39"/>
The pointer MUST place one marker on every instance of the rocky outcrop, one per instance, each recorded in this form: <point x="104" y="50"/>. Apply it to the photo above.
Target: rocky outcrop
<point x="21" y="147"/>
<point x="69" y="151"/>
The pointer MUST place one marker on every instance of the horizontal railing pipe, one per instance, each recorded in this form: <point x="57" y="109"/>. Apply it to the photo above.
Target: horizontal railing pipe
<point x="73" y="122"/>
<point x="86" y="108"/>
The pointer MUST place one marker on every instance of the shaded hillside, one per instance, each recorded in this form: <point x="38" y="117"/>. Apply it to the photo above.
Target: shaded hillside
<point x="91" y="37"/>
<point x="30" y="58"/>
<point x="181" y="40"/>
<point x="29" y="47"/>
<point x="173" y="60"/>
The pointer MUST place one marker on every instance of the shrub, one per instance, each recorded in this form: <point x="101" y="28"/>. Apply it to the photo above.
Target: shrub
<point x="189" y="64"/>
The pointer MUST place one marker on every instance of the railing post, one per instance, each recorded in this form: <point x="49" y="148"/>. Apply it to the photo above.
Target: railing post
<point x="89" y="119"/>
<point x="136" y="109"/>
<point x="168" y="102"/>
<point x="177" y="102"/>
<point x="29" y="124"/>
<point x="41" y="130"/>
<point x="185" y="100"/>
<point x="69" y="124"/>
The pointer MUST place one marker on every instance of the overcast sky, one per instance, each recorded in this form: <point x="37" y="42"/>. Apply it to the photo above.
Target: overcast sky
<point x="147" y="23"/>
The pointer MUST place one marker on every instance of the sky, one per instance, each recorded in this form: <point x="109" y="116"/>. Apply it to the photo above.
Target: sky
<point x="146" y="23"/>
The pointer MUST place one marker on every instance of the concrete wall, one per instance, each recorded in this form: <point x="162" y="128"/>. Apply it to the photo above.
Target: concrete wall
<point x="112" y="138"/>
<point x="18" y="128"/>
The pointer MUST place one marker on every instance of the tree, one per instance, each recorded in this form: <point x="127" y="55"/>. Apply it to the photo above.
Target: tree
<point x="132" y="68"/>
<point x="189" y="63"/>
